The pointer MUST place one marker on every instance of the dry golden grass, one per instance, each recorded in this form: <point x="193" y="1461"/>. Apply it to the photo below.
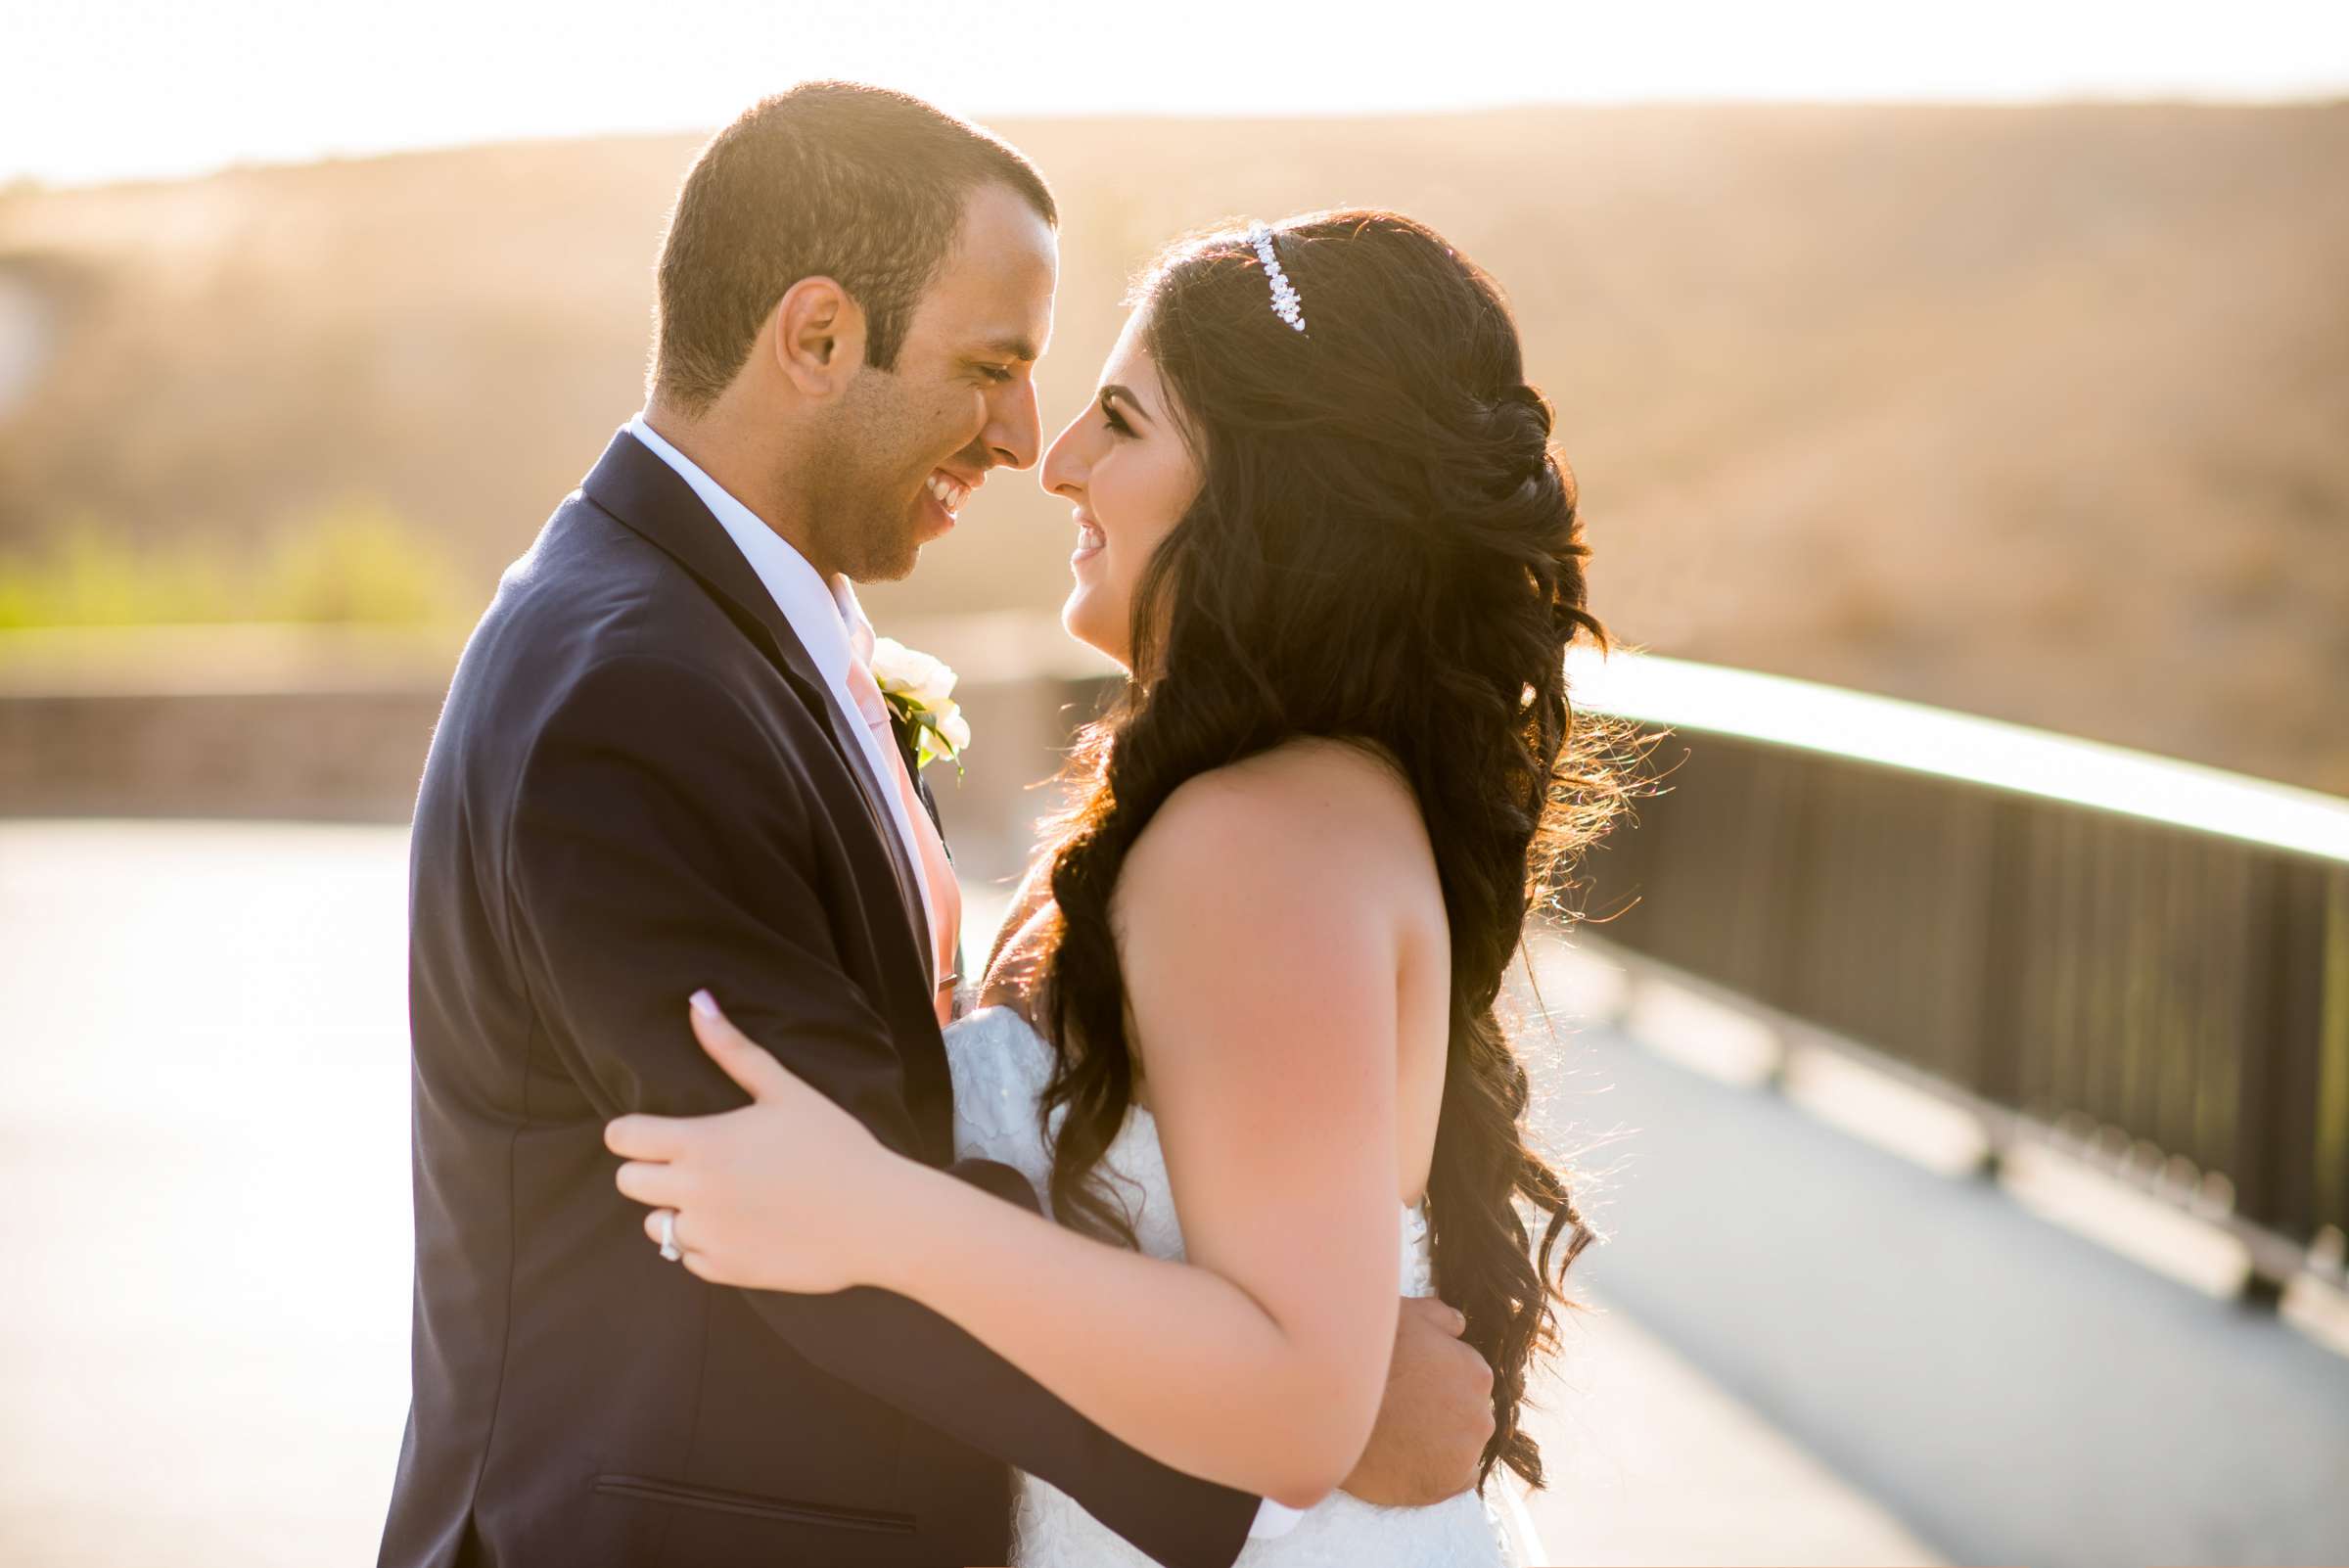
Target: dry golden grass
<point x="2040" y="412"/>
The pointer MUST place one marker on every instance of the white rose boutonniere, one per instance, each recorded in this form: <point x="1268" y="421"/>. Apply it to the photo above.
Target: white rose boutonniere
<point x="920" y="693"/>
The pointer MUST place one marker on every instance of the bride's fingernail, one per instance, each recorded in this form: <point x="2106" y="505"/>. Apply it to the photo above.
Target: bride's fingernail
<point x="704" y="1003"/>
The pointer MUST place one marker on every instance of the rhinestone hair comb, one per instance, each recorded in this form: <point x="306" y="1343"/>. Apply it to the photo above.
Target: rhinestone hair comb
<point x="1286" y="304"/>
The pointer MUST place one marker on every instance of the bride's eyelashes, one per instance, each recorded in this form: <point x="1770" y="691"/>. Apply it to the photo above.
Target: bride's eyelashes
<point x="1114" y="421"/>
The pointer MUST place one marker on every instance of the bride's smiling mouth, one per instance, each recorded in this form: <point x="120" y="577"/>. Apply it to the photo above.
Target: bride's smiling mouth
<point x="1090" y="540"/>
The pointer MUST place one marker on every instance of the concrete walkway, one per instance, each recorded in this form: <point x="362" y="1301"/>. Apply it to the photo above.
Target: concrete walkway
<point x="204" y="1137"/>
<point x="2011" y="1392"/>
<point x="1651" y="1461"/>
<point x="1801" y="1353"/>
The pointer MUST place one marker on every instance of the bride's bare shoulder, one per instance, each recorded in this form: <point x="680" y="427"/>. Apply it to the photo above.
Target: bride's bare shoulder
<point x="1330" y="810"/>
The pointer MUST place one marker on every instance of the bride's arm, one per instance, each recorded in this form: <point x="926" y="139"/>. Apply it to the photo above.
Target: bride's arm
<point x="1261" y="969"/>
<point x="1262" y="955"/>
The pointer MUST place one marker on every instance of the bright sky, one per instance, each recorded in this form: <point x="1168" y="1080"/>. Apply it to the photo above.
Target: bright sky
<point x="106" y="89"/>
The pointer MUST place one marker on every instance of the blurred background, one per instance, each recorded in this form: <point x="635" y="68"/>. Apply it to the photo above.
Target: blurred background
<point x="1959" y="1069"/>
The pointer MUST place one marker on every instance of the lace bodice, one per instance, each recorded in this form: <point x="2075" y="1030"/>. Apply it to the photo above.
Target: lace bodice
<point x="1000" y="1066"/>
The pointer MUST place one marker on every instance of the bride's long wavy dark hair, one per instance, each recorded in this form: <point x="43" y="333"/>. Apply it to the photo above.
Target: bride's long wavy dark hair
<point x="1384" y="550"/>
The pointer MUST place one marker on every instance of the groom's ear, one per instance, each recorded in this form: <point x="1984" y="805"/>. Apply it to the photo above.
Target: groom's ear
<point x="817" y="336"/>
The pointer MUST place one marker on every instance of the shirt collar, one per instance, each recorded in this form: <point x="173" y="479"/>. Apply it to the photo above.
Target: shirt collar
<point x="830" y="623"/>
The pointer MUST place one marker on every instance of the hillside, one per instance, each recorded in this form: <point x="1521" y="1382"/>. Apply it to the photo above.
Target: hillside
<point x="2040" y="412"/>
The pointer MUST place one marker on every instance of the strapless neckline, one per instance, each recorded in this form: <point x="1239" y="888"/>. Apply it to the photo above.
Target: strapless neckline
<point x="1000" y="1066"/>
<point x="1138" y="1113"/>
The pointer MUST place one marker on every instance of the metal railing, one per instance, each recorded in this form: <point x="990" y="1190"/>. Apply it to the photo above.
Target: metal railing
<point x="2104" y="949"/>
<point x="2112" y="950"/>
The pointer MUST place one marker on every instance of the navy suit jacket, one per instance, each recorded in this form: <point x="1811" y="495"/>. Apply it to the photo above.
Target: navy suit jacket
<point x="640" y="786"/>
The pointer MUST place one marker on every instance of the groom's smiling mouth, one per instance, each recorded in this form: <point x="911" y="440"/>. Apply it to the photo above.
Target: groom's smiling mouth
<point x="949" y="491"/>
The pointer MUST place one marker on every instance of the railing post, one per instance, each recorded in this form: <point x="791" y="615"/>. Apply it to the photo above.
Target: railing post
<point x="2275" y="1084"/>
<point x="2007" y="912"/>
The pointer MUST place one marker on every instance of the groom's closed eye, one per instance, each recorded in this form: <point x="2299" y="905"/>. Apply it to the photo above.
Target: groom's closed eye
<point x="1000" y="358"/>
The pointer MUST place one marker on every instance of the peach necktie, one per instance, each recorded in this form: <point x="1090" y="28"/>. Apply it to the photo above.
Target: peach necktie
<point x="945" y="897"/>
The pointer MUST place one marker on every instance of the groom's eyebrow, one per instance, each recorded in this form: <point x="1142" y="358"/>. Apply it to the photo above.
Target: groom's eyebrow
<point x="1022" y="349"/>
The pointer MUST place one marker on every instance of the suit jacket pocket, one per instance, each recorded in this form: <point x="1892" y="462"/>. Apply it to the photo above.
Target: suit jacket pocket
<point x="648" y="1489"/>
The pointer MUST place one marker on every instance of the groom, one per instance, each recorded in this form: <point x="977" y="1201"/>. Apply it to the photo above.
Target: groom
<point x="660" y="767"/>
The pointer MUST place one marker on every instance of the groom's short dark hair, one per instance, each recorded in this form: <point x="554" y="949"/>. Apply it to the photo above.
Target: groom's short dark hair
<point x="833" y="180"/>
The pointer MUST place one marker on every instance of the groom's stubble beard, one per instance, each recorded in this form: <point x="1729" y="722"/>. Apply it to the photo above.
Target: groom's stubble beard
<point x="858" y="514"/>
<point x="863" y="496"/>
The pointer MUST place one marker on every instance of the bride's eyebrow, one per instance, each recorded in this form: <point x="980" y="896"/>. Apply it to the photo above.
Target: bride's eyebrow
<point x="1124" y="394"/>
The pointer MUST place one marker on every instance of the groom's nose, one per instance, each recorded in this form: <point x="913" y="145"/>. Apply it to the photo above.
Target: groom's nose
<point x="1013" y="434"/>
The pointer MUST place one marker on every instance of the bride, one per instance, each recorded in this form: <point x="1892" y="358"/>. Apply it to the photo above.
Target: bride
<point x="1239" y="1028"/>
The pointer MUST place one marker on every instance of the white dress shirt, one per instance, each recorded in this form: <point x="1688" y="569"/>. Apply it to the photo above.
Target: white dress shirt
<point x="820" y="614"/>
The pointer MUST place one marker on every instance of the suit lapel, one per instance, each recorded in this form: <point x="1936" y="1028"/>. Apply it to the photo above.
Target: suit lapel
<point x="647" y="496"/>
<point x="909" y="750"/>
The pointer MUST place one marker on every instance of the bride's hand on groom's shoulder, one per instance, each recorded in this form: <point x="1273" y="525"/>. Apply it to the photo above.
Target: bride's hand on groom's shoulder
<point x="779" y="1195"/>
<point x="1436" y="1418"/>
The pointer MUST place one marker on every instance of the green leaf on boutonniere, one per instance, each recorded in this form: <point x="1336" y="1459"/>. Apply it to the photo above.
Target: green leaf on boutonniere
<point x="918" y="689"/>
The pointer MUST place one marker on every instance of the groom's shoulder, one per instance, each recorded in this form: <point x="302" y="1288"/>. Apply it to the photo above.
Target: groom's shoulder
<point x="584" y="621"/>
<point x="587" y="591"/>
<point x="588" y="575"/>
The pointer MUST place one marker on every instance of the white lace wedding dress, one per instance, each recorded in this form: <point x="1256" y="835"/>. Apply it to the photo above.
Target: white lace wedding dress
<point x="999" y="1067"/>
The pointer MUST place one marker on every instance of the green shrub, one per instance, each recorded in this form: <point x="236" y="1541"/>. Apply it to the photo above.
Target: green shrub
<point x="357" y="563"/>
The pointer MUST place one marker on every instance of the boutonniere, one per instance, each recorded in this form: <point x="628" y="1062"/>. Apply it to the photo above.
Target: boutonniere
<point x="920" y="693"/>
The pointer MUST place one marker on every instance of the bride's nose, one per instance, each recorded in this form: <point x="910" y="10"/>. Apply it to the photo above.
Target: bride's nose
<point x="1065" y="469"/>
